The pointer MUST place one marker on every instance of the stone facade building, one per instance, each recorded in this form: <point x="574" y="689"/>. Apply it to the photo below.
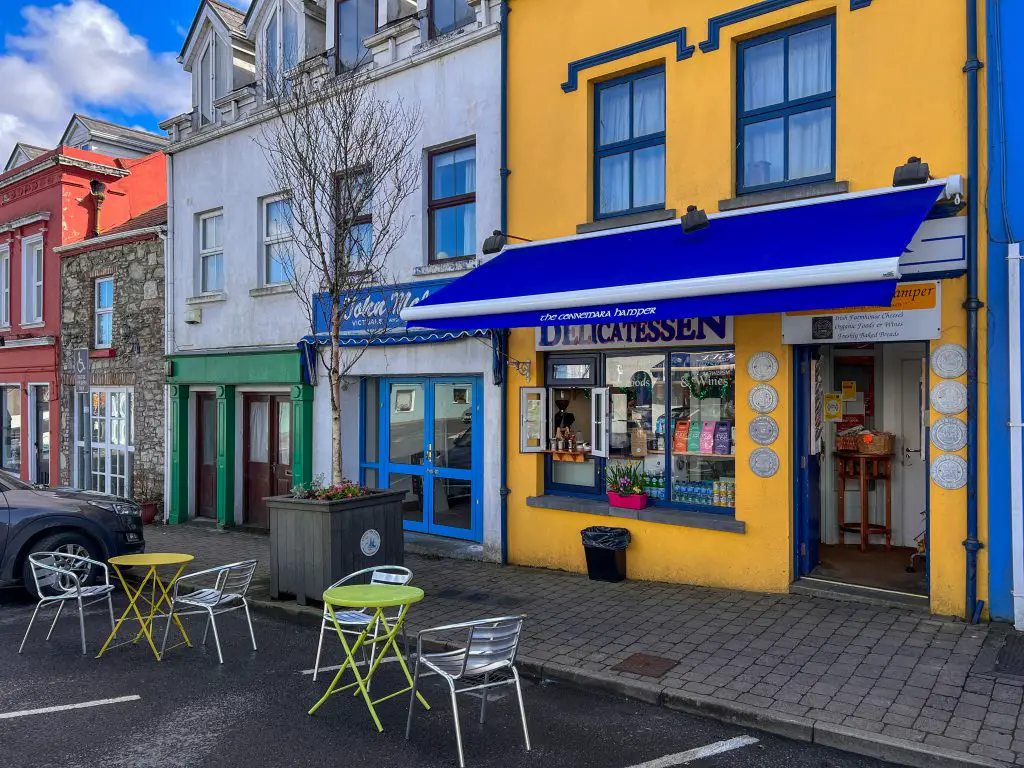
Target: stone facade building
<point x="112" y="316"/>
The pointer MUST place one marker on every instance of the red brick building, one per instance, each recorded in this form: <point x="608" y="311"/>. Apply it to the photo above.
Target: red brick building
<point x="48" y="199"/>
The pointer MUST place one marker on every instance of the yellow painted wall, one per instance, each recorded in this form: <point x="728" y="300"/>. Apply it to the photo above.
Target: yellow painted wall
<point x="900" y="90"/>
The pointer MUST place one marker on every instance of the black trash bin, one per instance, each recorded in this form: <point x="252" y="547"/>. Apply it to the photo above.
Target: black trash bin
<point x="605" y="549"/>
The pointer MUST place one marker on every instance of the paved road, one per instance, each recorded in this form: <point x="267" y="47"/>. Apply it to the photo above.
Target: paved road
<point x="252" y="712"/>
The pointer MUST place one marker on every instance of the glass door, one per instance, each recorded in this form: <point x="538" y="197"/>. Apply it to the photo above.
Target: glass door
<point x="41" y="433"/>
<point x="431" y="434"/>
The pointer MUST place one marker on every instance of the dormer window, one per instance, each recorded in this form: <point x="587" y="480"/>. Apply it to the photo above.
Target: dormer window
<point x="356" y="20"/>
<point x="449" y="15"/>
<point x="280" y="44"/>
<point x="207" y="84"/>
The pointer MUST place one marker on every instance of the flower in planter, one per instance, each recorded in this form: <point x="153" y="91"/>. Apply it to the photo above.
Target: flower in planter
<point x="318" y="491"/>
<point x="624" y="479"/>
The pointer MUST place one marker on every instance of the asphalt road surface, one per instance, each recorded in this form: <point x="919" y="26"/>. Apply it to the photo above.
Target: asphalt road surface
<point x="251" y="711"/>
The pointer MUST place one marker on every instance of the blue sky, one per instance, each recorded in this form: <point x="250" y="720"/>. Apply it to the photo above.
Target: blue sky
<point x="114" y="59"/>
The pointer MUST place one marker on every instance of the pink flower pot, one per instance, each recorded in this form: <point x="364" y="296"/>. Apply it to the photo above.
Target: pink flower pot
<point x="636" y="501"/>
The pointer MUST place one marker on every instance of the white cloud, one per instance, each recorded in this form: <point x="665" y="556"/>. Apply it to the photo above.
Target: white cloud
<point x="79" y="56"/>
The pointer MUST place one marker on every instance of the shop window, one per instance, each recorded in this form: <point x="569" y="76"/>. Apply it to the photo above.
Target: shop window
<point x="369" y="464"/>
<point x="629" y="162"/>
<point x="785" y="129"/>
<point x="104" y="312"/>
<point x="452" y="206"/>
<point x="355" y="21"/>
<point x="449" y="15"/>
<point x="211" y="252"/>
<point x="670" y="413"/>
<point x="10" y="428"/>
<point x="277" y="241"/>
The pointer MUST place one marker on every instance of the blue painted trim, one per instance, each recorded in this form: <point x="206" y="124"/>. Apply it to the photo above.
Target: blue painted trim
<point x="717" y="23"/>
<point x="785" y="109"/>
<point x="677" y="36"/>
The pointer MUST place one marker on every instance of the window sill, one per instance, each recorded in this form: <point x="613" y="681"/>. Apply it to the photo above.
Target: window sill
<point x="446" y="267"/>
<point x="271" y="290"/>
<point x="707" y="521"/>
<point x="629" y="220"/>
<point x="785" y="195"/>
<point x="37" y="324"/>
<point x="103" y="352"/>
<point x="206" y="298"/>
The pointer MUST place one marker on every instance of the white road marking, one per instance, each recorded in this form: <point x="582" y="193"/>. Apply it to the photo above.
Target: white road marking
<point x="65" y="707"/>
<point x="682" y="758"/>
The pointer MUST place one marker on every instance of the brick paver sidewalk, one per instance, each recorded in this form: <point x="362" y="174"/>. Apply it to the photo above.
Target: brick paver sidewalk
<point x="880" y="674"/>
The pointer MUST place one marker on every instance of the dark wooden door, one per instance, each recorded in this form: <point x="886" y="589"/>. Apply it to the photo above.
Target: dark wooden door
<point x="281" y="445"/>
<point x="256" y="447"/>
<point x="206" y="455"/>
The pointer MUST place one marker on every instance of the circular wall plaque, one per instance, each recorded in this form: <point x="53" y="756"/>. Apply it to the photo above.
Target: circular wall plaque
<point x="369" y="542"/>
<point x="949" y="471"/>
<point x="764" y="430"/>
<point x="763" y="398"/>
<point x="764" y="462"/>
<point x="949" y="434"/>
<point x="949" y="397"/>
<point x="763" y="366"/>
<point x="949" y="361"/>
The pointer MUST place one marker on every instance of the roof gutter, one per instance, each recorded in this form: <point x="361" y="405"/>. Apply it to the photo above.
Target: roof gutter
<point x="92" y="242"/>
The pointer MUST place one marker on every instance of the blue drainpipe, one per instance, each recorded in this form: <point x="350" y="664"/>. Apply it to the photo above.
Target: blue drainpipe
<point x="973" y="306"/>
<point x="503" y="491"/>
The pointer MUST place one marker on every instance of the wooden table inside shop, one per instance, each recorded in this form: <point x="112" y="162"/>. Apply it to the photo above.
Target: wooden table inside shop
<point x="864" y="467"/>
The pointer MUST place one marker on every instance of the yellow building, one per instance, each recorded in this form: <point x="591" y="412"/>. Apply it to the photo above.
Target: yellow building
<point x="633" y="343"/>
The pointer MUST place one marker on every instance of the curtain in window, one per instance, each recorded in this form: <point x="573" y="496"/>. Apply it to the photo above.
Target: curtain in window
<point x="810" y="63"/>
<point x="649" y="176"/>
<point x="649" y="105"/>
<point x="764" y="75"/>
<point x="614" y="108"/>
<point x="614" y="192"/>
<point x="763" y="153"/>
<point x="259" y="422"/>
<point x="810" y="143"/>
<point x="290" y="38"/>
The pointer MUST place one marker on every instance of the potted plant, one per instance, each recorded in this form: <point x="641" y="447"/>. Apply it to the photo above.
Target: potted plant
<point x="320" y="532"/>
<point x="147" y="493"/>
<point x="625" y="487"/>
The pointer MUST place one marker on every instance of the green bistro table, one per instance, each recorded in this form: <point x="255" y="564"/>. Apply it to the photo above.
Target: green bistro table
<point x="378" y="597"/>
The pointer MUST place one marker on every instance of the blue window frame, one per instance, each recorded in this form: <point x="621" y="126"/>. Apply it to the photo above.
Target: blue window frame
<point x="629" y="141"/>
<point x="786" y="100"/>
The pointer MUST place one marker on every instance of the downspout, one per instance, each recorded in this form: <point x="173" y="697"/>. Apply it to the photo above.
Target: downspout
<point x="504" y="172"/>
<point x="168" y="242"/>
<point x="973" y="306"/>
<point x="1016" y="494"/>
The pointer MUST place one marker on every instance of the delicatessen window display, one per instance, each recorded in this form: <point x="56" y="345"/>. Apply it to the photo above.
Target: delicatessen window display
<point x="670" y="414"/>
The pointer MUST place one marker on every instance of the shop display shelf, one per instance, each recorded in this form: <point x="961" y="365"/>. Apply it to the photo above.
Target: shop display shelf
<point x="705" y="455"/>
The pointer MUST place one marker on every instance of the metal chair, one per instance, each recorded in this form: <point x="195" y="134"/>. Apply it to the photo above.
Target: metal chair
<point x="358" y="620"/>
<point x="486" y="661"/>
<point x="230" y="584"/>
<point x="62" y="573"/>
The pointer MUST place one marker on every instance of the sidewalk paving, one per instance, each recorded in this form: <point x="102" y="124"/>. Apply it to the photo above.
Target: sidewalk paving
<point x="886" y="682"/>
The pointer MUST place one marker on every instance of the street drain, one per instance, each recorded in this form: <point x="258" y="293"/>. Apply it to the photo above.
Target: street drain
<point x="645" y="664"/>
<point x="1011" y="656"/>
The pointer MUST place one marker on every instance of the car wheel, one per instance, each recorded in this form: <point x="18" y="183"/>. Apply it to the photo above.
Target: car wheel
<point x="64" y="543"/>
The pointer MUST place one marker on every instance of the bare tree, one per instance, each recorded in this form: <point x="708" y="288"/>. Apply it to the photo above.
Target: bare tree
<point x="348" y="160"/>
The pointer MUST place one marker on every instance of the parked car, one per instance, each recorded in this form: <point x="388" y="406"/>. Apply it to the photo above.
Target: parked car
<point x="93" y="525"/>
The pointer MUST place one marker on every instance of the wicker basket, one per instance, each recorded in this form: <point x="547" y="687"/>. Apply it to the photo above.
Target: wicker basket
<point x="875" y="443"/>
<point x="846" y="443"/>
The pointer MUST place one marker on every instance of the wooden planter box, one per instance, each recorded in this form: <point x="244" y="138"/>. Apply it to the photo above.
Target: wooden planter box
<point x="315" y="543"/>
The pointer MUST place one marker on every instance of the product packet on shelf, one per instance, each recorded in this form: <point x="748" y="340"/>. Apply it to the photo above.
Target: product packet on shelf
<point x="723" y="438"/>
<point x="693" y="438"/>
<point x="707" y="436"/>
<point x="679" y="438"/>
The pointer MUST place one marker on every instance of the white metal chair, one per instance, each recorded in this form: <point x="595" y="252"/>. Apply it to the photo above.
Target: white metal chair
<point x="230" y="584"/>
<point x="62" y="573"/>
<point x="354" y="622"/>
<point x="486" y="661"/>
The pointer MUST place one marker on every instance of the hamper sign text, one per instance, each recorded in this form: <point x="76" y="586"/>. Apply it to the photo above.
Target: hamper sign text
<point x="687" y="331"/>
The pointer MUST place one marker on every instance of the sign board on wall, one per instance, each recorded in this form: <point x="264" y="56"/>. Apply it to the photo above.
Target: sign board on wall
<point x="376" y="310"/>
<point x="940" y="245"/>
<point x="915" y="315"/>
<point x="80" y="369"/>
<point x="688" y="331"/>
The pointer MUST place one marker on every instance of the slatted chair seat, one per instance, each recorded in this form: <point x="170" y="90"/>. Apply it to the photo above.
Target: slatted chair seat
<point x="95" y="590"/>
<point x="487" y="660"/>
<point x="207" y="597"/>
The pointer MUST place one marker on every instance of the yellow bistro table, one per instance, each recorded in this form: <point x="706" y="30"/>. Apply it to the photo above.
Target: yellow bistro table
<point x="377" y="597"/>
<point x="157" y="597"/>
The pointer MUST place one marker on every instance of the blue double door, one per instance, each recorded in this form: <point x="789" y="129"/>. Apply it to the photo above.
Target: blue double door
<point x="432" y="440"/>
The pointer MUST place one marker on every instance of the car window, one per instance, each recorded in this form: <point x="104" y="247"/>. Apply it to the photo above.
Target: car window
<point x="9" y="482"/>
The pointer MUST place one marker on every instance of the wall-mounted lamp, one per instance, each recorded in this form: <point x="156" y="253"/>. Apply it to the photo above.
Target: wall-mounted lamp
<point x="910" y="173"/>
<point x="499" y="240"/>
<point x="694" y="219"/>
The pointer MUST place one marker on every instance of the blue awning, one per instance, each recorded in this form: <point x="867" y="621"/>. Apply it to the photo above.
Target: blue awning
<point x="828" y="253"/>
